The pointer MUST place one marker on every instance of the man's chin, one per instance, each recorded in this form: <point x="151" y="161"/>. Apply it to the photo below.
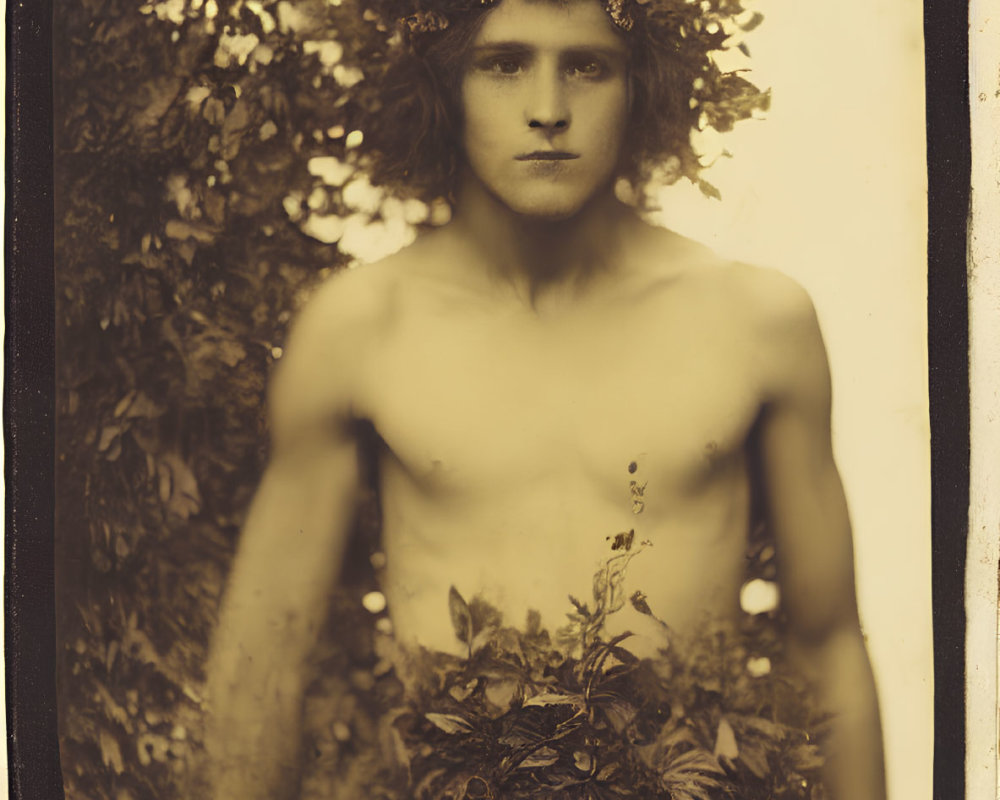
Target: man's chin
<point x="544" y="217"/>
<point x="546" y="210"/>
<point x="546" y="204"/>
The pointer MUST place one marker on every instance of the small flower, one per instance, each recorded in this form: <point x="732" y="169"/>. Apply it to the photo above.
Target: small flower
<point x="619" y="15"/>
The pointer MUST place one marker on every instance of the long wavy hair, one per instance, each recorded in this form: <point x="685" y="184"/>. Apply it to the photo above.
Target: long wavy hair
<point x="413" y="140"/>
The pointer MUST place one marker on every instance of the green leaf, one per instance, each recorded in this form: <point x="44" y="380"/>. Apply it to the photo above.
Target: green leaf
<point x="623" y="541"/>
<point x="461" y="616"/>
<point x="619" y="713"/>
<point x="755" y="759"/>
<point x="765" y="726"/>
<point x="753" y="22"/>
<point x="501" y="693"/>
<point x="542" y="757"/>
<point x="725" y="741"/>
<point x="461" y="693"/>
<point x="108" y="435"/>
<point x="807" y="757"/>
<point x="709" y="190"/>
<point x="177" y="486"/>
<point x="600" y="588"/>
<point x="580" y="607"/>
<point x="111" y="753"/>
<point x="554" y="699"/>
<point x="693" y="762"/>
<point x="449" y="723"/>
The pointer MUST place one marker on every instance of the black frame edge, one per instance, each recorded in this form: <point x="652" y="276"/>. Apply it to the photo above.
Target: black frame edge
<point x="29" y="383"/>
<point x="948" y="173"/>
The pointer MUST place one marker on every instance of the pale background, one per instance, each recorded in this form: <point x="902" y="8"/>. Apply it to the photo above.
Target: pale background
<point x="831" y="189"/>
<point x="984" y="321"/>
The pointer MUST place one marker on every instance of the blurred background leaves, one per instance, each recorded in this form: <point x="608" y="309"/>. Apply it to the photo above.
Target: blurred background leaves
<point x="202" y="149"/>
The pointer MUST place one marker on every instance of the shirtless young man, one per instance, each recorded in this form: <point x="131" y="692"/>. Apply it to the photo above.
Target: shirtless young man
<point x="513" y="363"/>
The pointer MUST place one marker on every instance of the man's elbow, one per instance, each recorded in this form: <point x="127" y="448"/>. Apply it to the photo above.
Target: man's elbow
<point x="832" y="655"/>
<point x="822" y="632"/>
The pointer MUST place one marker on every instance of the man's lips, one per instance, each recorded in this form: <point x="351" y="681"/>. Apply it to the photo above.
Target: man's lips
<point x="547" y="155"/>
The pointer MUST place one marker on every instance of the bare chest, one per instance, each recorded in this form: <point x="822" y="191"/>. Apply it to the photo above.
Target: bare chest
<point x="508" y="448"/>
<point x="466" y="401"/>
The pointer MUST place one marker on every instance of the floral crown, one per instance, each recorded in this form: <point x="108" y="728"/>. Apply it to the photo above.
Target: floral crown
<point x="726" y="14"/>
<point x="427" y="21"/>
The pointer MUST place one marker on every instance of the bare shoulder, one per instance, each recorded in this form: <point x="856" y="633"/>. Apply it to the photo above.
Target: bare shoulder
<point x="758" y="297"/>
<point x="335" y="338"/>
<point x="332" y="322"/>
<point x="780" y="321"/>
<point x="350" y="310"/>
<point x="321" y="373"/>
<point x="345" y="304"/>
<point x="774" y="302"/>
<point x="770" y="313"/>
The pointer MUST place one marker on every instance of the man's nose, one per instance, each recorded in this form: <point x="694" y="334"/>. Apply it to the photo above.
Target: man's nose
<point x="547" y="107"/>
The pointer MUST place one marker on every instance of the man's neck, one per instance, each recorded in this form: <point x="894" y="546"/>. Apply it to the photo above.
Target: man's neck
<point x="534" y="255"/>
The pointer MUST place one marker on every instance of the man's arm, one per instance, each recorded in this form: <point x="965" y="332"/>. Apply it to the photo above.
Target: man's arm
<point x="287" y="562"/>
<point x="809" y="516"/>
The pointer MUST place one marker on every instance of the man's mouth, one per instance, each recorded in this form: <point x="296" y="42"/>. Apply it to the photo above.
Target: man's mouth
<point x="547" y="155"/>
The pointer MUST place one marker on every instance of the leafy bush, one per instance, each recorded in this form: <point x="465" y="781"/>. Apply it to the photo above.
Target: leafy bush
<point x="718" y="713"/>
<point x="178" y="267"/>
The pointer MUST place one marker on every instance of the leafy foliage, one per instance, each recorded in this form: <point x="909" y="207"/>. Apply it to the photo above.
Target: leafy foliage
<point x="211" y="165"/>
<point x="178" y="267"/>
<point x="717" y="714"/>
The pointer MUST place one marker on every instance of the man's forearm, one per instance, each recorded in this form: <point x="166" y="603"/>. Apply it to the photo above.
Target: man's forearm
<point x="853" y="752"/>
<point x="275" y="604"/>
<point x="253" y="738"/>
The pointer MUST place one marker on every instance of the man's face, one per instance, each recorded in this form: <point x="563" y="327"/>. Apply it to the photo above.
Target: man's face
<point x="545" y="101"/>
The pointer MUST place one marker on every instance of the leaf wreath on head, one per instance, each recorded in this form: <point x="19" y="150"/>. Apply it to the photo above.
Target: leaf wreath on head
<point x="681" y="87"/>
<point x="623" y="13"/>
<point x="428" y="21"/>
<point x="429" y="17"/>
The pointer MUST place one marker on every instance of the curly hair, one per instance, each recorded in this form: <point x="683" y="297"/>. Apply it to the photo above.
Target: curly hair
<point x="413" y="138"/>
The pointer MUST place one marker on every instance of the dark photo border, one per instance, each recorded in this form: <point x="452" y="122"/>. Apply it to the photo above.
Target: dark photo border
<point x="30" y="651"/>
<point x="946" y="49"/>
<point x="29" y="397"/>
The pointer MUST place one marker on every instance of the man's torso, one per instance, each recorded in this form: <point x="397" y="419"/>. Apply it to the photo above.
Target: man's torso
<point x="507" y="435"/>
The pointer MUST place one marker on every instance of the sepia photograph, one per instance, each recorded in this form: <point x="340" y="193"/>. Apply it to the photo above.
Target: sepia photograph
<point x="466" y="399"/>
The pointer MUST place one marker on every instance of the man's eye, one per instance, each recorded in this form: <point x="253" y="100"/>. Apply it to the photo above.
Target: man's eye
<point x="587" y="68"/>
<point x="502" y="65"/>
